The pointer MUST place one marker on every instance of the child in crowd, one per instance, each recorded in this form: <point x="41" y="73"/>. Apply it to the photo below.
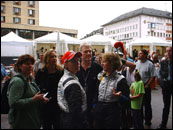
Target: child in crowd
<point x="136" y="95"/>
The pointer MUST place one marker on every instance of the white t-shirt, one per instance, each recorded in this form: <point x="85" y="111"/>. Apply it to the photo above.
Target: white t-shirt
<point x="146" y="70"/>
<point x="130" y="76"/>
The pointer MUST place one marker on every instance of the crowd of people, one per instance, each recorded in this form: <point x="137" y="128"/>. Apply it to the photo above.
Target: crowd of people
<point x="82" y="92"/>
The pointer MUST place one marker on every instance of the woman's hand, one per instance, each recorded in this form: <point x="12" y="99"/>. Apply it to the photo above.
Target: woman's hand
<point x="116" y="94"/>
<point x="45" y="100"/>
<point x="39" y="97"/>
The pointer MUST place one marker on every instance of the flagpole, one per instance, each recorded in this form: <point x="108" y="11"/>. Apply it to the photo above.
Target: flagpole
<point x="58" y="48"/>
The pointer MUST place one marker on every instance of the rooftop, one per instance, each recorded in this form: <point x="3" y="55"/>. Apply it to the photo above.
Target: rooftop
<point x="141" y="11"/>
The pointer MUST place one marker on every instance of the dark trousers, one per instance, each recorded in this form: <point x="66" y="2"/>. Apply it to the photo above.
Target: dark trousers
<point x="107" y="116"/>
<point x="137" y="119"/>
<point x="50" y="116"/>
<point x="147" y="115"/>
<point x="69" y="121"/>
<point x="90" y="113"/>
<point x="167" y="93"/>
<point x="125" y="115"/>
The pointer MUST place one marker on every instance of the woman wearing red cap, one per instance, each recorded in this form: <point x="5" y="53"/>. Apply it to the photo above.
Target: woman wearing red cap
<point x="71" y="95"/>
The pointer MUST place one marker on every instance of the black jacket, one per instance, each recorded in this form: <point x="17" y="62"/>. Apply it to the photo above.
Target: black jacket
<point x="76" y="118"/>
<point x="88" y="80"/>
<point x="49" y="82"/>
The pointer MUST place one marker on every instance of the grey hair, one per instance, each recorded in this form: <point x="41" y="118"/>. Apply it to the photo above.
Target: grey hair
<point x="84" y="44"/>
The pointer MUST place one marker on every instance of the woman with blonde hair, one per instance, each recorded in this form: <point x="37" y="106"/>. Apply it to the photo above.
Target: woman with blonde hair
<point x="113" y="87"/>
<point x="48" y="78"/>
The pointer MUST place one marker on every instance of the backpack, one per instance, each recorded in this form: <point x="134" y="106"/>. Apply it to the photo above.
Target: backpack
<point x="4" y="99"/>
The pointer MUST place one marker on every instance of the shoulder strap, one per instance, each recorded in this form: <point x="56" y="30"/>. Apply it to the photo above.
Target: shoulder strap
<point x="67" y="81"/>
<point x="102" y="76"/>
<point x="120" y="77"/>
<point x="25" y="82"/>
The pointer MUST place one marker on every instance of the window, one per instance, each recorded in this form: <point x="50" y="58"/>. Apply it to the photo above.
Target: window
<point x="16" y="20"/>
<point x="5" y="31"/>
<point x="153" y="25"/>
<point x="122" y="29"/>
<point x="154" y="33"/>
<point x="31" y="12"/>
<point x="157" y="34"/>
<point x="127" y="35"/>
<point x="40" y="33"/>
<point x="16" y="11"/>
<point x="149" y="26"/>
<point x="31" y="3"/>
<point x="31" y="21"/>
<point x="163" y="34"/>
<point x="2" y="9"/>
<point x="2" y="19"/>
<point x="17" y="2"/>
<point x="169" y="35"/>
<point x="160" y="34"/>
<point x="170" y="28"/>
<point x="127" y="29"/>
<point x="133" y="26"/>
<point x="148" y="33"/>
<point x="28" y="34"/>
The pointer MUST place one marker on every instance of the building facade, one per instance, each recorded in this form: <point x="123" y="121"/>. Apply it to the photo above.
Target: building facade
<point x="139" y="23"/>
<point x="22" y="17"/>
<point x="100" y="30"/>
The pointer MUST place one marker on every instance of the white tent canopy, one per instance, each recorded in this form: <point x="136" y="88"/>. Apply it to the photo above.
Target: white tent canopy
<point x="148" y="41"/>
<point x="52" y="38"/>
<point x="60" y="38"/>
<point x="13" y="39"/>
<point x="13" y="45"/>
<point x="99" y="39"/>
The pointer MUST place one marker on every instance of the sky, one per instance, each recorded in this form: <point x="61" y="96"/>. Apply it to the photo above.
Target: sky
<point x="87" y="16"/>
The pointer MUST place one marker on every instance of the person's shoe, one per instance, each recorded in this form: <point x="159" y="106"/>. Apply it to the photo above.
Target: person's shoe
<point x="161" y="127"/>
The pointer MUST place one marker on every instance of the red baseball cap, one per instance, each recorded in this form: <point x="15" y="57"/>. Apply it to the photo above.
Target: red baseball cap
<point x="70" y="55"/>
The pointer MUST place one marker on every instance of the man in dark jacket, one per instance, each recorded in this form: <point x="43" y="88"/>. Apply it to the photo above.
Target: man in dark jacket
<point x="165" y="78"/>
<point x="87" y="75"/>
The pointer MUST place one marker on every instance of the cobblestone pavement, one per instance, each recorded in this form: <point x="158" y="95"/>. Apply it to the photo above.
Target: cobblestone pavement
<point x="157" y="106"/>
